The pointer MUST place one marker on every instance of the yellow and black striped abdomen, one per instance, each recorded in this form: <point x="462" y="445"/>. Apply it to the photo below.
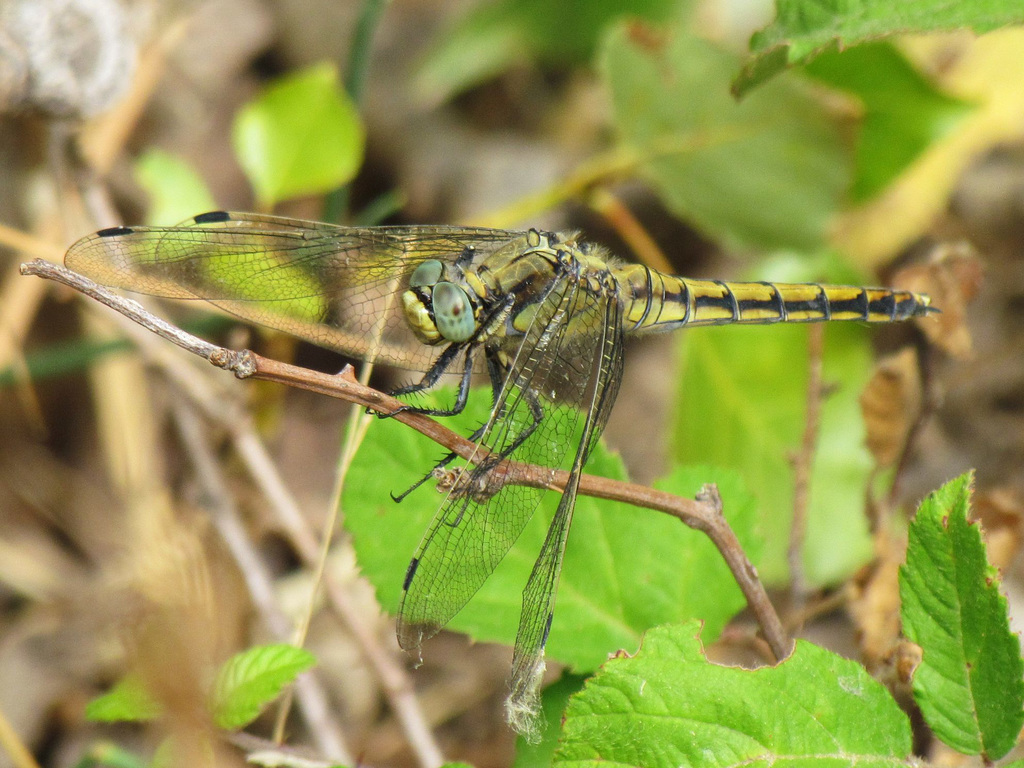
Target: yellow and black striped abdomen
<point x="657" y="301"/>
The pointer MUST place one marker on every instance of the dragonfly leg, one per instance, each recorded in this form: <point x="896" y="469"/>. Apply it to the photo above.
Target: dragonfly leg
<point x="476" y="484"/>
<point x="498" y="372"/>
<point x="497" y="375"/>
<point x="436" y="468"/>
<point x="430" y="378"/>
<point x="537" y="412"/>
<point x="447" y="358"/>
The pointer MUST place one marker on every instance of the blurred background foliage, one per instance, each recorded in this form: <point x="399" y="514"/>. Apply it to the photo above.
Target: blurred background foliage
<point x="862" y="150"/>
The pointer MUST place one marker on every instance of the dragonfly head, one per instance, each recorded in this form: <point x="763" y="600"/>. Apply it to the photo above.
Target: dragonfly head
<point x="438" y="311"/>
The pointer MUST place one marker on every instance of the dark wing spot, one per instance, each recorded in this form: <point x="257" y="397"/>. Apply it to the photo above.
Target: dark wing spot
<point x="410" y="572"/>
<point x="547" y="630"/>
<point x="212" y="217"/>
<point x="114" y="231"/>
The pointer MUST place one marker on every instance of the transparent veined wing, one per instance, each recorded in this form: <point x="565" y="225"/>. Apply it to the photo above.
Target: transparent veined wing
<point x="335" y="286"/>
<point x="558" y="388"/>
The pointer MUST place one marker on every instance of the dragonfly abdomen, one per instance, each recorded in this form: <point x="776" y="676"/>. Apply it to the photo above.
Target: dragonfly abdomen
<point x="658" y="301"/>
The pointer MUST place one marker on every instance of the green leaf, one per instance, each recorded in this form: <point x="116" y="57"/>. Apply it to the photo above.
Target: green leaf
<point x="128" y="701"/>
<point x="903" y="114"/>
<point x="668" y="706"/>
<point x="110" y="755"/>
<point x="805" y="28"/>
<point x="498" y="35"/>
<point x="741" y="404"/>
<point x="175" y="190"/>
<point x="250" y="680"/>
<point x="768" y="172"/>
<point x="970" y="683"/>
<point x="301" y="136"/>
<point x="611" y="589"/>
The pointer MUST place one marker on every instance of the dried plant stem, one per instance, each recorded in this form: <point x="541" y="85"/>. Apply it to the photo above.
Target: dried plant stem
<point x="12" y="745"/>
<point x="930" y="401"/>
<point x="394" y="680"/>
<point x="357" y="425"/>
<point x="629" y="228"/>
<point x="703" y="513"/>
<point x="803" y="464"/>
<point x="316" y="709"/>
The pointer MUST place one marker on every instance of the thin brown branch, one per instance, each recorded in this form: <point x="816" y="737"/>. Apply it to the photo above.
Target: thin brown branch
<point x="703" y="513"/>
<point x="263" y="472"/>
<point x="930" y="402"/>
<point x="316" y="710"/>
<point x="29" y="244"/>
<point x="13" y="745"/>
<point x="393" y="678"/>
<point x="630" y="229"/>
<point x="803" y="464"/>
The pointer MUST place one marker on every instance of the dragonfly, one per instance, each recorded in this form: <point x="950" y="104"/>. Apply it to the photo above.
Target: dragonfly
<point x="543" y="315"/>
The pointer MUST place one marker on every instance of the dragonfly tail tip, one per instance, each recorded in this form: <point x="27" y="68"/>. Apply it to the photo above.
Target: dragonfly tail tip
<point x="522" y="707"/>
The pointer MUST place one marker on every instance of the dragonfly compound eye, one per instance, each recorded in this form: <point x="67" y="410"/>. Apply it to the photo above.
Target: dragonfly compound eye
<point x="453" y="312"/>
<point x="426" y="274"/>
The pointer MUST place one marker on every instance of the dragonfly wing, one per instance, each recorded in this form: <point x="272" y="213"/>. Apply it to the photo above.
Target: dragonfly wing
<point x="339" y="287"/>
<point x="595" y="356"/>
<point x="475" y="527"/>
<point x="567" y="365"/>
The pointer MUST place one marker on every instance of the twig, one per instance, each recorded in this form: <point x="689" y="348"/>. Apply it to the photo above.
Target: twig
<point x="264" y="474"/>
<point x="357" y="70"/>
<point x="260" y="751"/>
<point x="394" y="680"/>
<point x="224" y="515"/>
<point x="629" y="229"/>
<point x="404" y="698"/>
<point x="803" y="463"/>
<point x="930" y="401"/>
<point x="613" y="164"/>
<point x="703" y="514"/>
<point x="19" y="754"/>
<point x="29" y="244"/>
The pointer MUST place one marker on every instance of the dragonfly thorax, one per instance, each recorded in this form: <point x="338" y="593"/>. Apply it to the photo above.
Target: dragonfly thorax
<point x="438" y="311"/>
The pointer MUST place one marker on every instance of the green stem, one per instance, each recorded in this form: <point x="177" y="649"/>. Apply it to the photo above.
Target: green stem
<point x="621" y="161"/>
<point x="336" y="202"/>
<point x="362" y="44"/>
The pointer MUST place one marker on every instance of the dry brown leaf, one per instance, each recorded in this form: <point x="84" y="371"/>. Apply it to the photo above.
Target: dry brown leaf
<point x="890" y="404"/>
<point x="905" y="658"/>
<point x="897" y="670"/>
<point x="952" y="277"/>
<point x="874" y="603"/>
<point x="1001" y="512"/>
